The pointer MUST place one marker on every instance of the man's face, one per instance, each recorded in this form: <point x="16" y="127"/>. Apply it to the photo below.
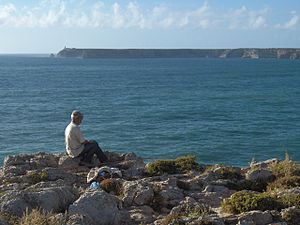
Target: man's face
<point x="79" y="120"/>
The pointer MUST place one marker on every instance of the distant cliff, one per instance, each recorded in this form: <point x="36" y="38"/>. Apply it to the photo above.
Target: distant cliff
<point x="279" y="53"/>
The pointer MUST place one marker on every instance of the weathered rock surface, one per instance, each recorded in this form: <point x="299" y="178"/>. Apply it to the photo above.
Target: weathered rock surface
<point x="137" y="193"/>
<point x="259" y="174"/>
<point x="49" y="197"/>
<point x="98" y="208"/>
<point x="279" y="53"/>
<point x="55" y="182"/>
<point x="256" y="217"/>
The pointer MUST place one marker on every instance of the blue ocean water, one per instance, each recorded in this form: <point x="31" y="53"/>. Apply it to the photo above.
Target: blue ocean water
<point x="221" y="110"/>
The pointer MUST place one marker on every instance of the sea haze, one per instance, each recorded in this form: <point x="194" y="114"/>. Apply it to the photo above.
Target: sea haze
<point x="221" y="110"/>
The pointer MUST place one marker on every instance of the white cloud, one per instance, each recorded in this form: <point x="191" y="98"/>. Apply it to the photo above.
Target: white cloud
<point x="71" y="13"/>
<point x="245" y="18"/>
<point x="291" y="23"/>
<point x="257" y="22"/>
<point x="7" y="14"/>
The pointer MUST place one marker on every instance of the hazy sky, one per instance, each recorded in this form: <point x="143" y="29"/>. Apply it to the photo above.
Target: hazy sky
<point x="46" y="26"/>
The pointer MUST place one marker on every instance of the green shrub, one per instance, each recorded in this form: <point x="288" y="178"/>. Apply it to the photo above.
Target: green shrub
<point x="10" y="218"/>
<point x="172" y="219"/>
<point x="187" y="163"/>
<point x="285" y="168"/>
<point x="197" y="211"/>
<point x="284" y="183"/>
<point x="243" y="202"/>
<point x="229" y="173"/>
<point x="225" y="172"/>
<point x="290" y="200"/>
<point x="3" y="193"/>
<point x="180" y="165"/>
<point x="188" y="211"/>
<point x="37" y="177"/>
<point x="160" y="167"/>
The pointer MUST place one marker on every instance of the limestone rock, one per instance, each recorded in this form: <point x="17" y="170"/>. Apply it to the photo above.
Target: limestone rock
<point x="57" y="174"/>
<point x="13" y="170"/>
<point x="261" y="174"/>
<point x="282" y="192"/>
<point x="170" y="192"/>
<point x="15" y="160"/>
<point x="264" y="164"/>
<point x="194" y="184"/>
<point x="132" y="166"/>
<point x="55" y="199"/>
<point x="42" y="160"/>
<point x="16" y="202"/>
<point x="210" y="219"/>
<point x="67" y="161"/>
<point x="98" y="208"/>
<point x="3" y="222"/>
<point x="291" y="215"/>
<point x="246" y="222"/>
<point x="141" y="214"/>
<point x="257" y="217"/>
<point x="137" y="193"/>
<point x="278" y="223"/>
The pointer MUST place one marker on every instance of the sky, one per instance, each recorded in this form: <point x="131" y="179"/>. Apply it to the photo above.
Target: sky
<point x="47" y="26"/>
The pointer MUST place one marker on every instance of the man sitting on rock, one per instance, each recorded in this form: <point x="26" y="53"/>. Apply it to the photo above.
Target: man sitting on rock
<point x="77" y="146"/>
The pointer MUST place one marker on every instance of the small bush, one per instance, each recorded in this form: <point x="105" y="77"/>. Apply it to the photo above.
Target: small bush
<point x="225" y="172"/>
<point x="111" y="185"/>
<point x="290" y="200"/>
<point x="188" y="211"/>
<point x="187" y="163"/>
<point x="285" y="168"/>
<point x="180" y="165"/>
<point x="197" y="211"/>
<point x="160" y="167"/>
<point x="39" y="217"/>
<point x="243" y="202"/>
<point x="284" y="183"/>
<point x="37" y="177"/>
<point x="3" y="193"/>
<point x="229" y="173"/>
<point x="171" y="219"/>
<point x="11" y="219"/>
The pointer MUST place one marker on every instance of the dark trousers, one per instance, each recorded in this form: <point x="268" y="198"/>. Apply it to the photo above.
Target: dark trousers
<point x="89" y="150"/>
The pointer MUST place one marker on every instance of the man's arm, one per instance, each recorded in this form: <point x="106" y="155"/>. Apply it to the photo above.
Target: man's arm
<point x="85" y="142"/>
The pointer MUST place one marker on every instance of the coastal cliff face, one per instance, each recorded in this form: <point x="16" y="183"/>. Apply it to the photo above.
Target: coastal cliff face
<point x="35" y="188"/>
<point x="277" y="53"/>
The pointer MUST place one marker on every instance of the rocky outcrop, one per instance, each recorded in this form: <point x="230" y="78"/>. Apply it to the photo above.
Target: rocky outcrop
<point x="55" y="183"/>
<point x="97" y="207"/>
<point x="279" y="53"/>
<point x="259" y="174"/>
<point x="55" y="197"/>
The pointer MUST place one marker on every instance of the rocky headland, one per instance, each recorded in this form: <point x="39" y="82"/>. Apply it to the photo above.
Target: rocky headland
<point x="277" y="53"/>
<point x="52" y="189"/>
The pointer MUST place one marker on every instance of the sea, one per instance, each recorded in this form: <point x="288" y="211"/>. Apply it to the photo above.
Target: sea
<point x="225" y="111"/>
